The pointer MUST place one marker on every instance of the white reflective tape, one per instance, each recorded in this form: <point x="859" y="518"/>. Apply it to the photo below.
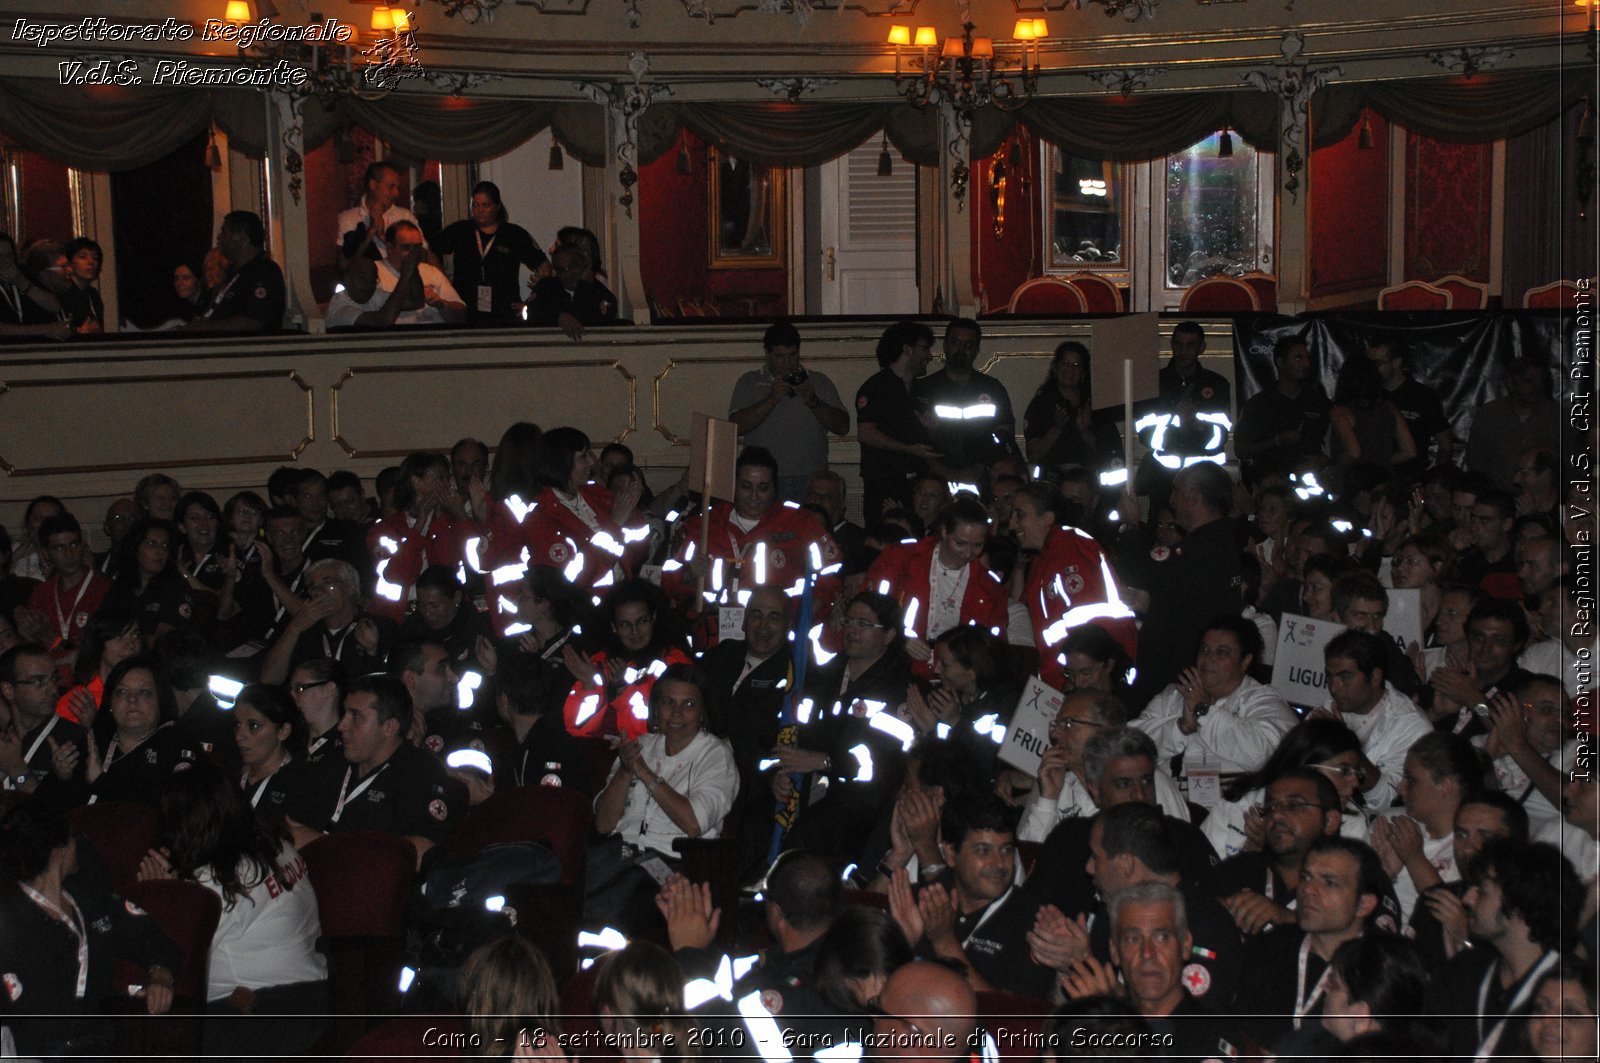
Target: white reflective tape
<point x="224" y="689"/>
<point x="508" y="574"/>
<point x="978" y="411"/>
<point x="894" y="727"/>
<point x="640" y="707"/>
<point x="767" y="763"/>
<point x="496" y="903"/>
<point x="763" y="1029"/>
<point x="716" y="573"/>
<point x="986" y="723"/>
<point x="941" y="730"/>
<point x="816" y="557"/>
<point x="385" y="589"/>
<point x="830" y="570"/>
<point x="586" y="708"/>
<point x="506" y="605"/>
<point x="574" y="569"/>
<point x="688" y="551"/>
<point x="802" y="711"/>
<point x="672" y="516"/>
<point x="519" y="509"/>
<point x="389" y="545"/>
<point x="947" y="413"/>
<point x="605" y="541"/>
<point x="671" y="565"/>
<point x="957" y="487"/>
<point x="1114" y="478"/>
<point x="883" y="586"/>
<point x="471" y="549"/>
<point x="466" y="686"/>
<point x="761" y="564"/>
<point x="606" y="579"/>
<point x="863" y="757"/>
<point x="608" y="938"/>
<point x="911" y="618"/>
<point x="791" y="505"/>
<point x="823" y="655"/>
<point x="407" y="976"/>
<point x="636" y="535"/>
<point x="476" y="759"/>
<point x="517" y="629"/>
<point x="630" y="674"/>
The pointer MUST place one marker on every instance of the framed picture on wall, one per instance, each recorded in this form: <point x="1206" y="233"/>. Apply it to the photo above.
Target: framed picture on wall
<point x="747" y="219"/>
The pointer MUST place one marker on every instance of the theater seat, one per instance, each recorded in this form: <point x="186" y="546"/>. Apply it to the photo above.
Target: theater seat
<point x="1414" y="295"/>
<point x="121" y="834"/>
<point x="1219" y="295"/>
<point x="1046" y="295"/>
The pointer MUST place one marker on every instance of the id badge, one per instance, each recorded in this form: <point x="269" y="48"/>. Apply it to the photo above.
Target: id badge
<point x="730" y="623"/>
<point x="485" y="299"/>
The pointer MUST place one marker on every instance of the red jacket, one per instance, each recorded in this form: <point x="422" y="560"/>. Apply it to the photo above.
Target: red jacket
<point x="626" y="712"/>
<point x="1069" y="584"/>
<point x="554" y="535"/>
<point x="773" y="554"/>
<point x="400" y="553"/>
<point x="901" y="571"/>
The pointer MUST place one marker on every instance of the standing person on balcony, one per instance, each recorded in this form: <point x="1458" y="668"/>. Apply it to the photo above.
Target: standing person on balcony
<point x="895" y="442"/>
<point x="485" y="251"/>
<point x="379" y="208"/>
<point x="789" y="410"/>
<point x="252" y="299"/>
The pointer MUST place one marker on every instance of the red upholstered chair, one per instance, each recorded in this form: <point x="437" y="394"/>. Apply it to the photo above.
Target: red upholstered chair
<point x="556" y="817"/>
<point x="1414" y="295"/>
<point x="1100" y="296"/>
<point x="188" y="914"/>
<point x="599" y="755"/>
<point x="1464" y="294"/>
<point x="1557" y="295"/>
<point x="865" y="898"/>
<point x="412" y="1037"/>
<point x="362" y="880"/>
<point x="1047" y="295"/>
<point x="1265" y="285"/>
<point x="1015" y="1022"/>
<point x="121" y="833"/>
<point x="1219" y="295"/>
<point x="1028" y="854"/>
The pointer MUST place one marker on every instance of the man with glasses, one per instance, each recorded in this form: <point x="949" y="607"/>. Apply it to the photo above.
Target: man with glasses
<point x="896" y="445"/>
<point x="1215" y="714"/>
<point x="1497" y="632"/>
<point x="1061" y="792"/>
<point x="61" y="606"/>
<point x="332" y="624"/>
<point x="973" y="420"/>
<point x="28" y="754"/>
<point x="1360" y="602"/>
<point x="1490" y="562"/>
<point x="1258" y="886"/>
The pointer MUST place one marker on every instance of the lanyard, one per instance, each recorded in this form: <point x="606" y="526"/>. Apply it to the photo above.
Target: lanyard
<point x="361" y="788"/>
<point x="13" y="299"/>
<point x="1303" y="1003"/>
<point x="37" y="742"/>
<point x="74" y="923"/>
<point x="335" y="651"/>
<point x="216" y="300"/>
<point x="994" y="906"/>
<point x="294" y="588"/>
<point x="115" y="751"/>
<point x="311" y="750"/>
<point x="64" y="620"/>
<point x="580" y="508"/>
<point x="484" y="249"/>
<point x="1524" y="991"/>
<point x="261" y="787"/>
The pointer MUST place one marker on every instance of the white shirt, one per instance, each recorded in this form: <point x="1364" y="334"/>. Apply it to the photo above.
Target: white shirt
<point x="703" y="771"/>
<point x="269" y="936"/>
<point x="1387" y="732"/>
<point x="1440" y="852"/>
<point x="358" y="215"/>
<point x="1040" y="815"/>
<point x="1238" y="734"/>
<point x="431" y="278"/>
<point x="343" y="310"/>
<point x="1224" y="825"/>
<point x="1551" y="657"/>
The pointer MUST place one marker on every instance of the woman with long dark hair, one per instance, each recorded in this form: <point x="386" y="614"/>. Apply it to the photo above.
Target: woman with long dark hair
<point x="1059" y="426"/>
<point x="145" y="750"/>
<point x="148" y="582"/>
<point x="612" y="687"/>
<point x="265" y="948"/>
<point x="485" y="252"/>
<point x="263" y="727"/>
<point x="576" y="526"/>
<point x="428" y="527"/>
<point x="110" y="638"/>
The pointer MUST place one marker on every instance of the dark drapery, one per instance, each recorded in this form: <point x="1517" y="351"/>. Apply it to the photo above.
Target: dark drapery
<point x="1490" y="106"/>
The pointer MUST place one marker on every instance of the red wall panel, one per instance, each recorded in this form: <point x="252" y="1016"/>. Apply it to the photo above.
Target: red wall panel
<point x="1350" y="213"/>
<point x="1000" y="263"/>
<point x="1448" y="204"/>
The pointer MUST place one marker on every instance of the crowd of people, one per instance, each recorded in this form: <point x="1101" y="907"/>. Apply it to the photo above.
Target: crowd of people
<point x="1188" y="860"/>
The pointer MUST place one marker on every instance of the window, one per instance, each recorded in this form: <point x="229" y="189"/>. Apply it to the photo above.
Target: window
<point x="1211" y="211"/>
<point x="1087" y="213"/>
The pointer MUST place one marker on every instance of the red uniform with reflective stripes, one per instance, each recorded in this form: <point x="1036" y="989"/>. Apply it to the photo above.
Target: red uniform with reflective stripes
<point x="775" y="548"/>
<point x="905" y="566"/>
<point x="552" y="533"/>
<point x="625" y="712"/>
<point x="1071" y="572"/>
<point x="400" y="553"/>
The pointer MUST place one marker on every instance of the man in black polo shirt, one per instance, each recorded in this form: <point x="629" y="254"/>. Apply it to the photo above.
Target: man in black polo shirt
<point x="384" y="783"/>
<point x="973" y="421"/>
<point x="327" y="535"/>
<point x="1187" y="390"/>
<point x="1286" y="422"/>
<point x="895" y="441"/>
<point x="28" y="685"/>
<point x="545" y="754"/>
<point x="1418" y="404"/>
<point x="332" y="624"/>
<point x="1258" y="885"/>
<point x="252" y="298"/>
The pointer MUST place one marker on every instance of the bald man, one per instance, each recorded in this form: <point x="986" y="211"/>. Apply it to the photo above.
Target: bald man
<point x="929" y="1014"/>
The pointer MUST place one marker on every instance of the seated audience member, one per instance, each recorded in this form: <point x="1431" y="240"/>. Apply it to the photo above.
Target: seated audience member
<point x="1282" y="976"/>
<point x="444" y="612"/>
<point x="424" y="667"/>
<point x="145" y="748"/>
<point x="1375" y="985"/>
<point x="677" y="781"/>
<point x="1307" y="539"/>
<point x="363" y="302"/>
<point x="759" y="541"/>
<point x="544" y="754"/>
<point x="186" y="658"/>
<point x="1325" y="745"/>
<point x="825" y="491"/>
<point x="158" y="495"/>
<point x="927" y="1012"/>
<point x="1096" y="661"/>
<point x="61" y="966"/>
<point x="1119" y="768"/>
<point x="403" y="789"/>
<point x="944" y="574"/>
<point x="346" y="500"/>
<point x="638" y="998"/>
<point x="1215" y="714"/>
<point x="331" y="624"/>
<point x="188" y="297"/>
<point x="327" y="535"/>
<point x="862" y="760"/>
<point x="1523" y="904"/>
<point x="975" y="698"/>
<point x="1316" y="588"/>
<point x="1417" y="841"/>
<point x="80" y="301"/>
<point x="28" y="689"/>
<point x="1130" y="845"/>
<point x="611" y="690"/>
<point x="570" y="300"/>
<point x="1361" y="698"/>
<point x="264" y="721"/>
<point x="748" y="679"/>
<point x="1439" y="921"/>
<point x="486" y="251"/>
<point x="30" y="560"/>
<point x="907" y="834"/>
<point x="199" y="523"/>
<point x="1361" y="603"/>
<point x="929" y="495"/>
<point x="1491" y="561"/>
<point x="28" y="310"/>
<point x="855" y="958"/>
<point x="429" y="527"/>
<point x="318" y="688"/>
<point x="111" y="638"/>
<point x="59" y="608"/>
<point x="1527" y="754"/>
<point x="264" y="959"/>
<point x="509" y="999"/>
<point x="1497" y="631"/>
<point x="1069" y="572"/>
<point x="252" y="299"/>
<point x="1258" y="885"/>
<point x="148" y="584"/>
<point x="1566" y="648"/>
<point x="1560" y="1023"/>
<point x="544" y="623"/>
<point x="1066" y="787"/>
<point x="429" y="298"/>
<point x="981" y="920"/>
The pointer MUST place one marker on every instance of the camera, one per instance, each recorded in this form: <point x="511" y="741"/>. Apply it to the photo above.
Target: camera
<point x="796" y="378"/>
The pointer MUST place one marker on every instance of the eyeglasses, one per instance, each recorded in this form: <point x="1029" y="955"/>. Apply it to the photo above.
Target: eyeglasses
<point x="1066" y="723"/>
<point x="32" y="681"/>
<point x="301" y="688"/>
<point x="1343" y="771"/>
<point x="1272" y="808"/>
<point x="853" y="621"/>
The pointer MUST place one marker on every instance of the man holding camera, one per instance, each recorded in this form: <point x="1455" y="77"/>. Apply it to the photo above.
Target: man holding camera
<point x="788" y="410"/>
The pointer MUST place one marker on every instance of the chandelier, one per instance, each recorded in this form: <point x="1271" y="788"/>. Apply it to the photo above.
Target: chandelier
<point x="967" y="74"/>
<point x="326" y="58"/>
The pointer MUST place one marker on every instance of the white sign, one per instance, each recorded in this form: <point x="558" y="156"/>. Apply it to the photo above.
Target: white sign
<point x="730" y="623"/>
<point x="1205" y="784"/>
<point x="1403" y="621"/>
<point x="1299" y="672"/>
<point x="1029" y="736"/>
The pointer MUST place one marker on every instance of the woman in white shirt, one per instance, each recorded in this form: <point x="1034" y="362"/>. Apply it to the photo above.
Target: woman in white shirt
<point x="264" y="960"/>
<point x="677" y="781"/>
